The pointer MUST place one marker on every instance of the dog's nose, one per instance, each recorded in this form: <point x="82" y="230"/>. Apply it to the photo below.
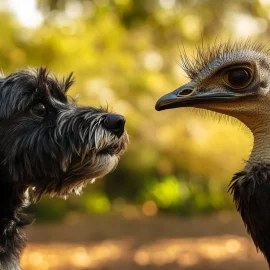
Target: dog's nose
<point x="115" y="123"/>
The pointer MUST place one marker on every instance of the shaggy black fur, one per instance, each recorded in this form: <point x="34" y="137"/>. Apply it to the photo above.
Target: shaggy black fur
<point x="251" y="193"/>
<point x="47" y="145"/>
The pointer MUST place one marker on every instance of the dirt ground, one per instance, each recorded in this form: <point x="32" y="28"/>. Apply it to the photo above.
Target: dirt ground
<point x="142" y="243"/>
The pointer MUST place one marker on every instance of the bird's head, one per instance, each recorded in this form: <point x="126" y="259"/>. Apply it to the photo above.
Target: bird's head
<point x="229" y="79"/>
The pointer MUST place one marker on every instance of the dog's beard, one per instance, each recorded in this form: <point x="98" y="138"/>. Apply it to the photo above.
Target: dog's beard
<point x="86" y="172"/>
<point x="84" y="164"/>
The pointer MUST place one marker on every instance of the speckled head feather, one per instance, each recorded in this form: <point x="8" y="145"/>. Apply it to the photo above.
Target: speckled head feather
<point x="205" y="54"/>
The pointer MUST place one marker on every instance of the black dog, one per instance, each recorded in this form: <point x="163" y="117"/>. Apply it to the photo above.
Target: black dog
<point x="47" y="145"/>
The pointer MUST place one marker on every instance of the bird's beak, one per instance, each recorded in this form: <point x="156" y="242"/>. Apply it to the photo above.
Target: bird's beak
<point x="186" y="96"/>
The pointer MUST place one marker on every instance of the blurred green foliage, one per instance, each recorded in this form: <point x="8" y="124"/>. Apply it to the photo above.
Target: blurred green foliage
<point x="97" y="203"/>
<point x="184" y="197"/>
<point x="124" y="53"/>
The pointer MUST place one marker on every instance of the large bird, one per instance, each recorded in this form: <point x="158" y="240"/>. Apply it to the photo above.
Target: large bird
<point x="234" y="79"/>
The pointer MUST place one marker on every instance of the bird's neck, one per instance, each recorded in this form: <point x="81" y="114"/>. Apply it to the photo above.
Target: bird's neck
<point x="261" y="147"/>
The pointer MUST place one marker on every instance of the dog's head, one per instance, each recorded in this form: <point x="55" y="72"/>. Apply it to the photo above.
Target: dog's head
<point x="50" y="144"/>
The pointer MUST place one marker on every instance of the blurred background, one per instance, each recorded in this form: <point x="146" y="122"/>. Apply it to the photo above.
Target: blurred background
<point x="166" y="205"/>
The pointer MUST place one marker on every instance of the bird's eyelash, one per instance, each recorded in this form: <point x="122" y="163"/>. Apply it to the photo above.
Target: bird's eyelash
<point x="205" y="54"/>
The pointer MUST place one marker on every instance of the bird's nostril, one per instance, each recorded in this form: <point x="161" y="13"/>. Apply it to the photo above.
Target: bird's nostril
<point x="185" y="92"/>
<point x="115" y="123"/>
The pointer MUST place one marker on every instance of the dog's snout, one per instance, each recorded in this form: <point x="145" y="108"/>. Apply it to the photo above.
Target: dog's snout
<point x="115" y="123"/>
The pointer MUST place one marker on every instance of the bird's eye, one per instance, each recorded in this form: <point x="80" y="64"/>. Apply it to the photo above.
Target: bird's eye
<point x="238" y="78"/>
<point x="39" y="109"/>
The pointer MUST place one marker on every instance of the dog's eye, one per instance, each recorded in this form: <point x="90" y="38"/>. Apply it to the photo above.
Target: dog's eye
<point x="39" y="109"/>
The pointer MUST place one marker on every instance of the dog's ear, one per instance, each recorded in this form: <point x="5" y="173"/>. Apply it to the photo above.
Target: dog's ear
<point x="42" y="77"/>
<point x="68" y="82"/>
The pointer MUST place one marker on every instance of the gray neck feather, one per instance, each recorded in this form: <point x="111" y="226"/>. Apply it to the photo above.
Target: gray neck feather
<point x="261" y="148"/>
